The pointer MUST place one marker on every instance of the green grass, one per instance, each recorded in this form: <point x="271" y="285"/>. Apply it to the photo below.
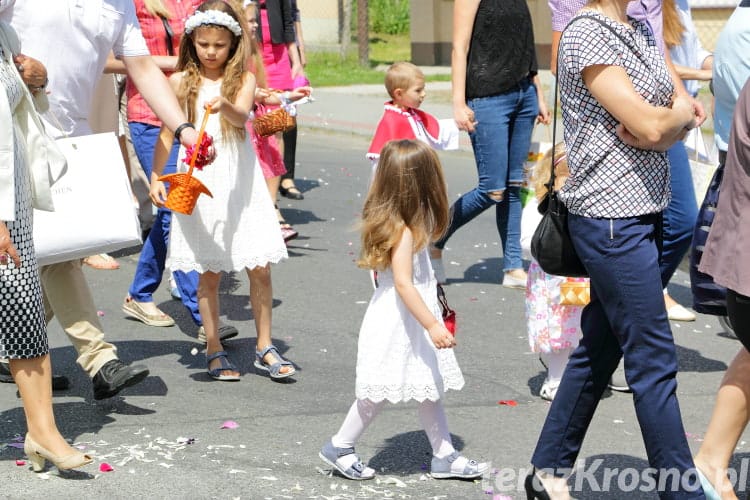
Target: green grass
<point x="326" y="69"/>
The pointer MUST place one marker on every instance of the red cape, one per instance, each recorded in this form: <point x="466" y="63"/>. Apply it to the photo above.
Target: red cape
<point x="395" y="125"/>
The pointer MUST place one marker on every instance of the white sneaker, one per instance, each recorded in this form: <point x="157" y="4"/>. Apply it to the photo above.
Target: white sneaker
<point x="618" y="382"/>
<point x="680" y="313"/>
<point x="548" y="390"/>
<point x="510" y="281"/>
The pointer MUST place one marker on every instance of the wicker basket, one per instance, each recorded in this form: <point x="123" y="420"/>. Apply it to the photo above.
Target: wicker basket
<point x="278" y="120"/>
<point x="575" y="293"/>
<point x="184" y="190"/>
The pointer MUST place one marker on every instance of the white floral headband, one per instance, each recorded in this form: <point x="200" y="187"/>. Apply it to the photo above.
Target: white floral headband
<point x="212" y="17"/>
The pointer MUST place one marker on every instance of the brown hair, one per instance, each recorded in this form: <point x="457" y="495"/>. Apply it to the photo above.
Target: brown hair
<point x="541" y="172"/>
<point x="673" y="28"/>
<point x="234" y="69"/>
<point x="401" y="75"/>
<point x="408" y="191"/>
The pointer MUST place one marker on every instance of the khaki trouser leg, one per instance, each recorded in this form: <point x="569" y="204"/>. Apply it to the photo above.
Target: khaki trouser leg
<point x="67" y="296"/>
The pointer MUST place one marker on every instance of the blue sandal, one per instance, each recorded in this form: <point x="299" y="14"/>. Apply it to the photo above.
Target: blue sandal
<point x="215" y="373"/>
<point x="273" y="369"/>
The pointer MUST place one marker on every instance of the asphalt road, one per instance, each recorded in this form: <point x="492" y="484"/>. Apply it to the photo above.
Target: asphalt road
<point x="164" y="438"/>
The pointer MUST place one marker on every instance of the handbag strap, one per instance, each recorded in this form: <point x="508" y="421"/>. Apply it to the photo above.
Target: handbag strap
<point x="168" y="34"/>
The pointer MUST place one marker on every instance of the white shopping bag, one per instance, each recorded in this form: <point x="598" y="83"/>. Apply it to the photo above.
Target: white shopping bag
<point x="94" y="211"/>
<point x="703" y="162"/>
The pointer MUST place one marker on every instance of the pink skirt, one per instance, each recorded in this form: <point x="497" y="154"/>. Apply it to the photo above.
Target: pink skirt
<point x="275" y="59"/>
<point x="267" y="151"/>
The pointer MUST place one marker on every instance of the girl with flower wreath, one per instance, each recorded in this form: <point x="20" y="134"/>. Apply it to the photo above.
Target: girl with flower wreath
<point x="236" y="228"/>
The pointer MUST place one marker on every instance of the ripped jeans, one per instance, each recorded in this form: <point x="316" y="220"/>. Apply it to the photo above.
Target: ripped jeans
<point x="501" y="143"/>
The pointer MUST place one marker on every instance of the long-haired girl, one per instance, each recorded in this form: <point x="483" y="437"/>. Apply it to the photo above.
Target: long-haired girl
<point x="236" y="228"/>
<point x="404" y="348"/>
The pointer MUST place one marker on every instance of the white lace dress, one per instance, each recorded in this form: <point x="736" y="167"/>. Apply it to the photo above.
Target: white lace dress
<point x="235" y="229"/>
<point x="396" y="359"/>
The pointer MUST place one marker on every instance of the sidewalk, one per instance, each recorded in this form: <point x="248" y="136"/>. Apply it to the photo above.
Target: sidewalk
<point x="356" y="109"/>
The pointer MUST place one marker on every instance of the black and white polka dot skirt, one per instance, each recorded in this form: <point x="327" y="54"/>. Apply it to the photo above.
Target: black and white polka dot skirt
<point x="23" y="332"/>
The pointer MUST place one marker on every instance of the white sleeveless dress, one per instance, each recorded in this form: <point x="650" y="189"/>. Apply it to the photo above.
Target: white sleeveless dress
<point x="396" y="359"/>
<point x="235" y="229"/>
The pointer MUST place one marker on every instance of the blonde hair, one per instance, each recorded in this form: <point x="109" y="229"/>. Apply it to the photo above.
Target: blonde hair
<point x="234" y="69"/>
<point x="401" y="75"/>
<point x="255" y="58"/>
<point x="157" y="8"/>
<point x="541" y="172"/>
<point x="408" y="191"/>
<point x="673" y="28"/>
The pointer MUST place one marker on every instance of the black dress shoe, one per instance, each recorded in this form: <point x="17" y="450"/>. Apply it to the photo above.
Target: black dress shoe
<point x="59" y="382"/>
<point x="292" y="193"/>
<point x="115" y="376"/>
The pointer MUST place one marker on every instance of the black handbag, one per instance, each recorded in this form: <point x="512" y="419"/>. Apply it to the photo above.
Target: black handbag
<point x="551" y="245"/>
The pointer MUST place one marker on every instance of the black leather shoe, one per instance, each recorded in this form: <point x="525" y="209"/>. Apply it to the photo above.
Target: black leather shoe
<point x="291" y="192"/>
<point x="115" y="376"/>
<point x="59" y="382"/>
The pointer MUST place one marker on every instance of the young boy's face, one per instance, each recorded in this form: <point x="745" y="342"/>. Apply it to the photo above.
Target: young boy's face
<point x="411" y="97"/>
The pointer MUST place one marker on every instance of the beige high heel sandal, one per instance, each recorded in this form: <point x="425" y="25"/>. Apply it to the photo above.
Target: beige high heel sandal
<point x="38" y="454"/>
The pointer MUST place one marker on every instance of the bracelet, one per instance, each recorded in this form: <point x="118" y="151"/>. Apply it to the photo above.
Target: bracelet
<point x="180" y="128"/>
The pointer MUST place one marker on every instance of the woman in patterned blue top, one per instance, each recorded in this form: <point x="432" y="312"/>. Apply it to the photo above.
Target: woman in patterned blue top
<point x="620" y="115"/>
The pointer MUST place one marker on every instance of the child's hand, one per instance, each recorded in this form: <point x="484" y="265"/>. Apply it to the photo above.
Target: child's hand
<point x="158" y="193"/>
<point x="261" y="94"/>
<point x="216" y="103"/>
<point x="299" y="93"/>
<point x="440" y="336"/>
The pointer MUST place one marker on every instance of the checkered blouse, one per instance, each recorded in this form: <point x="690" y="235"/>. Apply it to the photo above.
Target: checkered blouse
<point x="608" y="178"/>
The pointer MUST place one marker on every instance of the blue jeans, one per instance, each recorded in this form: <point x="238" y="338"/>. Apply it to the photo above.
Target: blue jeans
<point x="680" y="215"/>
<point x="626" y="316"/>
<point x="150" y="267"/>
<point x="501" y="145"/>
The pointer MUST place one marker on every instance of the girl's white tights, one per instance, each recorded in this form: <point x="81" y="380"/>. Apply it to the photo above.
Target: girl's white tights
<point x="363" y="411"/>
<point x="556" y="363"/>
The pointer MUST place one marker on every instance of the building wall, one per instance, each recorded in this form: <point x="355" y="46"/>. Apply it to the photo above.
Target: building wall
<point x="321" y="21"/>
<point x="432" y="25"/>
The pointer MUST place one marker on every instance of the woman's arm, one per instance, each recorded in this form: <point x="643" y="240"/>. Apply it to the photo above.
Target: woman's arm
<point x="401" y="263"/>
<point x="236" y="112"/>
<point x="464" y="13"/>
<point x="705" y="72"/>
<point x="165" y="63"/>
<point x="544" y="115"/>
<point x="657" y="127"/>
<point x="162" y="149"/>
<point x="156" y="90"/>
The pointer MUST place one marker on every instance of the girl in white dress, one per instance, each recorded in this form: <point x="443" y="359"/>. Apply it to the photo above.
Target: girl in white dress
<point x="404" y="350"/>
<point x="236" y="228"/>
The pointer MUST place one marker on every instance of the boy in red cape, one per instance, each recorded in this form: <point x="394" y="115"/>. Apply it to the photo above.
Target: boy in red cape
<point x="402" y="118"/>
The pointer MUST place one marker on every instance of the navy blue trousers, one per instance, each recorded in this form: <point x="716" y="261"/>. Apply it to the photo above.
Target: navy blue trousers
<point x="626" y="317"/>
